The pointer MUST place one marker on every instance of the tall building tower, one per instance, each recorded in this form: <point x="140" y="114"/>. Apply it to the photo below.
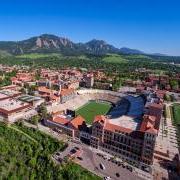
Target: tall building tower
<point x="89" y="80"/>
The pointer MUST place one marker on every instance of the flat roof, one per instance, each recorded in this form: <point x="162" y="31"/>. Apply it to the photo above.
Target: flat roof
<point x="28" y="98"/>
<point x="12" y="104"/>
<point x="126" y="122"/>
<point x="9" y="92"/>
<point x="3" y="96"/>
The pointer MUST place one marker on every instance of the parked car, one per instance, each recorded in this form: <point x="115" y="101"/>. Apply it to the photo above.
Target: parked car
<point x="77" y="148"/>
<point x="107" y="178"/>
<point x="119" y="163"/>
<point x="102" y="166"/>
<point x="123" y="166"/>
<point x="129" y="168"/>
<point x="80" y="158"/>
<point x="58" y="154"/>
<point x="117" y="175"/>
<point x="73" y="151"/>
<point x="100" y="155"/>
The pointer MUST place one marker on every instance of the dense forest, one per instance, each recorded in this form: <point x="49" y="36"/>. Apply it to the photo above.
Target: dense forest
<point x="109" y="62"/>
<point x="25" y="153"/>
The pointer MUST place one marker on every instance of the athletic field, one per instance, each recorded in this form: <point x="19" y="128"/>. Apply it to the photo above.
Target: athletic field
<point x="91" y="109"/>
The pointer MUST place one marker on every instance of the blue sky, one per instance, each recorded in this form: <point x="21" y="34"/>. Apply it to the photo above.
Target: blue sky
<point x="148" y="25"/>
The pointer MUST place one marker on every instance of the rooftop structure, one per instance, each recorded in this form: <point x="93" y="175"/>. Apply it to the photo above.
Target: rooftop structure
<point x="126" y="122"/>
<point x="8" y="93"/>
<point x="33" y="100"/>
<point x="11" y="105"/>
<point x="3" y="96"/>
<point x="28" y="98"/>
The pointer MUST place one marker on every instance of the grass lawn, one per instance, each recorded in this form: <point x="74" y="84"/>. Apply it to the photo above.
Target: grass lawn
<point x="91" y="109"/>
<point x="176" y="113"/>
<point x="176" y="119"/>
<point x="114" y="58"/>
<point x="38" y="55"/>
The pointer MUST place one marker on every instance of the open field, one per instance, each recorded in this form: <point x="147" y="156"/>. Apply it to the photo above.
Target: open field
<point x="91" y="109"/>
<point x="175" y="109"/>
<point x="110" y="62"/>
<point x="25" y="153"/>
<point x="176" y="113"/>
<point x="38" y="55"/>
<point x="140" y="56"/>
<point x="114" y="58"/>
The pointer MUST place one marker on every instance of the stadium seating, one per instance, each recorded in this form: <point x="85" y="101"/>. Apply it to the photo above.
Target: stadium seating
<point x="122" y="103"/>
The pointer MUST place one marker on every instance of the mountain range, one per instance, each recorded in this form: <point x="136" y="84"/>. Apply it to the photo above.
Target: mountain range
<point x="47" y="43"/>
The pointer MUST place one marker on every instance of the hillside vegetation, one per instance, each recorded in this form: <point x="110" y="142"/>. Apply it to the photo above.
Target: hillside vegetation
<point x="37" y="55"/>
<point x="114" y="58"/>
<point x="25" y="153"/>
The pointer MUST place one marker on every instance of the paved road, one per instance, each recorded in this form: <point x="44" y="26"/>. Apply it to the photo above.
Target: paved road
<point x="47" y="130"/>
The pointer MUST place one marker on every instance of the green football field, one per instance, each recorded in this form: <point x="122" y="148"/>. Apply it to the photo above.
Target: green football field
<point x="91" y="109"/>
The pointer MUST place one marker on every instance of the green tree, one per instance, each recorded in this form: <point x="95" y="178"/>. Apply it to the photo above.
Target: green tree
<point x="174" y="84"/>
<point x="35" y="119"/>
<point x="42" y="110"/>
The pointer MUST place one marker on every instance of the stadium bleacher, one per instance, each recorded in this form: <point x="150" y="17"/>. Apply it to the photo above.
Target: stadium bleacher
<point x="123" y="104"/>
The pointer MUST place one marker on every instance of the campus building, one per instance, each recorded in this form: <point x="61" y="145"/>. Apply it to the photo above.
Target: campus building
<point x="66" y="95"/>
<point x="12" y="109"/>
<point x="128" y="137"/>
<point x="89" y="80"/>
<point x="14" y="105"/>
<point x="128" y="131"/>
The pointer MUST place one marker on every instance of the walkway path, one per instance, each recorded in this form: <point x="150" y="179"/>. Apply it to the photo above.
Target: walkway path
<point x="19" y="131"/>
<point x="48" y="131"/>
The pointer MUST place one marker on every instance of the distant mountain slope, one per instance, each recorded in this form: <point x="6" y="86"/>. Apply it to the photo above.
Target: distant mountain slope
<point x="126" y="50"/>
<point x="47" y="43"/>
<point x="4" y="53"/>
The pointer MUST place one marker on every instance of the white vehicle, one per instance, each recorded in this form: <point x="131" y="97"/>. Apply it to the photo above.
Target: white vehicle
<point x="107" y="178"/>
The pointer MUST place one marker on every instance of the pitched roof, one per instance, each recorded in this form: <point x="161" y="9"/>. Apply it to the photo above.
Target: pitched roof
<point x="77" y="121"/>
<point x="151" y="121"/>
<point x="152" y="130"/>
<point x="54" y="97"/>
<point x="65" y="92"/>
<point x="60" y="120"/>
<point x="44" y="89"/>
<point x="100" y="118"/>
<point x="161" y="93"/>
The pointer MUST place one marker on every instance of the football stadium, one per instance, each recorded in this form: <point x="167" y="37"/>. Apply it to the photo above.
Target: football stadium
<point x="90" y="103"/>
<point x="92" y="109"/>
<point x="117" y="123"/>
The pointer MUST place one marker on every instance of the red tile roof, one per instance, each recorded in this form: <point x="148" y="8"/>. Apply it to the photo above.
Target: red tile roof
<point x="53" y="97"/>
<point x="77" y="121"/>
<point x="100" y="118"/>
<point x="60" y="120"/>
<point x="151" y="121"/>
<point x="152" y="130"/>
<point x="65" y="92"/>
<point x="44" y="90"/>
<point x="161" y="93"/>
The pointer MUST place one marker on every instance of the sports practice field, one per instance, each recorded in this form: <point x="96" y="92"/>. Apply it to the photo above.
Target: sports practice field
<point x="91" y="109"/>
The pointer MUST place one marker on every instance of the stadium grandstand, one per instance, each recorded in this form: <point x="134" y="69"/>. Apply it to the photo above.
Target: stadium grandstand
<point x="122" y="104"/>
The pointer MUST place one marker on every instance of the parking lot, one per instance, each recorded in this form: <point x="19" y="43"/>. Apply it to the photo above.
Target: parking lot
<point x="71" y="152"/>
<point x="111" y="167"/>
<point x="96" y="162"/>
